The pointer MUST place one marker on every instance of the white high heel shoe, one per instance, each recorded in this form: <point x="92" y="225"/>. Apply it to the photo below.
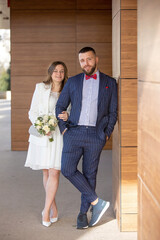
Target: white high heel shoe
<point x="53" y="220"/>
<point x="46" y="224"/>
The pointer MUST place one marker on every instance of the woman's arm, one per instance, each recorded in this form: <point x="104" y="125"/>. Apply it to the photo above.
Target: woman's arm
<point x="33" y="112"/>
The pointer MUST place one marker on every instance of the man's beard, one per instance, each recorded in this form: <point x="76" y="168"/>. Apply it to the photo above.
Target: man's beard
<point x="91" y="71"/>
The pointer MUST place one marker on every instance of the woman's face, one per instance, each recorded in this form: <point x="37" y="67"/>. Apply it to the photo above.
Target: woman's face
<point x="58" y="74"/>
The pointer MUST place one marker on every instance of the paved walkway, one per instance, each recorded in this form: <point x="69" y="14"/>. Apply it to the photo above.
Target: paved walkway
<point x="22" y="198"/>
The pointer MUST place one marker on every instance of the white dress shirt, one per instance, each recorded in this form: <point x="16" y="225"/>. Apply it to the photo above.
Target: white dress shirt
<point x="88" y="115"/>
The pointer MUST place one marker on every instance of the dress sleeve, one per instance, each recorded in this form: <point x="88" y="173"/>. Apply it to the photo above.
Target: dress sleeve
<point x="33" y="112"/>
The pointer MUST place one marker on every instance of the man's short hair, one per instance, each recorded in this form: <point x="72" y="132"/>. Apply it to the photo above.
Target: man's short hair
<point x="87" y="49"/>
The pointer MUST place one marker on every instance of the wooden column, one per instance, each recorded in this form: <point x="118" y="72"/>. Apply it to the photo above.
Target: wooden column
<point x="124" y="49"/>
<point x="149" y="119"/>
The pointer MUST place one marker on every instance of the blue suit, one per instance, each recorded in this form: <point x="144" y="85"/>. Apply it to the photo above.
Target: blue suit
<point x="85" y="141"/>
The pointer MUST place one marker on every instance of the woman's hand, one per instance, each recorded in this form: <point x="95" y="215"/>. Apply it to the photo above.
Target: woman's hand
<point x="63" y="116"/>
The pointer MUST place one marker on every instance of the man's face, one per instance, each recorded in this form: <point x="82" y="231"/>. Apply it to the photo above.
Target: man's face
<point x="88" y="62"/>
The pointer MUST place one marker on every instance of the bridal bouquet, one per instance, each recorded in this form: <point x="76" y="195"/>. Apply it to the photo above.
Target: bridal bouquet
<point x="46" y="125"/>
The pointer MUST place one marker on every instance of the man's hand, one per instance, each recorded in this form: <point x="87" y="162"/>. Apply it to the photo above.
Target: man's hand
<point x="107" y="138"/>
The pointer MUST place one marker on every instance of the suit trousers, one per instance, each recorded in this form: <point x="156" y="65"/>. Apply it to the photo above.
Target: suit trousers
<point x="82" y="141"/>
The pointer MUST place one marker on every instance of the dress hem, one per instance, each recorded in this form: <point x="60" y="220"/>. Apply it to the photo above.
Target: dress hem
<point x="41" y="168"/>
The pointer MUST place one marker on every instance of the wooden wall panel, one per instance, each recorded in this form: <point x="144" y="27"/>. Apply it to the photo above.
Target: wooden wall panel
<point x="95" y="28"/>
<point x="108" y="145"/>
<point x="94" y="4"/>
<point x="129" y="222"/>
<point x="149" y="215"/>
<point x="129" y="44"/>
<point x="129" y="180"/>
<point x="149" y="119"/>
<point x="128" y="112"/>
<point x="149" y="41"/>
<point x="25" y="84"/>
<point x="128" y="4"/>
<point x="21" y="125"/>
<point x="20" y="146"/>
<point x="18" y="99"/>
<point x="39" y="4"/>
<point x="42" y="55"/>
<point x="49" y="27"/>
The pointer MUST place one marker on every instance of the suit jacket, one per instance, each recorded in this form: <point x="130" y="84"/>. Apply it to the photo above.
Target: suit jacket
<point x="107" y="103"/>
<point x="39" y="106"/>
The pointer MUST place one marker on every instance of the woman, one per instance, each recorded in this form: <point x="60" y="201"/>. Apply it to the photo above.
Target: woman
<point x="43" y="154"/>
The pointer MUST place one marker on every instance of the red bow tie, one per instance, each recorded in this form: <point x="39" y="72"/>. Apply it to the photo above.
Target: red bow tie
<point x="92" y="76"/>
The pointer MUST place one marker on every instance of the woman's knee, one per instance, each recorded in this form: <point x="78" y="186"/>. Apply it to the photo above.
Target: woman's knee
<point x="54" y="173"/>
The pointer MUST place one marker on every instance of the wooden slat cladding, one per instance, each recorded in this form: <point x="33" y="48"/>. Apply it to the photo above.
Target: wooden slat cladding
<point x="128" y="4"/>
<point x="128" y="112"/>
<point x="94" y="4"/>
<point x="129" y="44"/>
<point x="40" y="4"/>
<point x="129" y="222"/>
<point x="149" y="41"/>
<point x="63" y="4"/>
<point x="21" y="125"/>
<point x="95" y="27"/>
<point x="19" y="146"/>
<point x="129" y="180"/>
<point x="149" y="215"/>
<point x="18" y="100"/>
<point x="49" y="27"/>
<point x="34" y="58"/>
<point x="26" y="84"/>
<point x="149" y="141"/>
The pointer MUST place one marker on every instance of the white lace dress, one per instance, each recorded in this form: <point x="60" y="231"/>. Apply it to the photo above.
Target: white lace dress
<point x="49" y="156"/>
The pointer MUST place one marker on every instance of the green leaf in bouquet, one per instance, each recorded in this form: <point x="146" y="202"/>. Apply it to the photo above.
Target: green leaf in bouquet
<point x="40" y="119"/>
<point x="52" y="128"/>
<point x="40" y="131"/>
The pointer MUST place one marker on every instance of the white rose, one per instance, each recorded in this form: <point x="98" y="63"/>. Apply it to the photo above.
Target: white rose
<point x="38" y="127"/>
<point x="38" y="122"/>
<point x="51" y="122"/>
<point x="45" y="118"/>
<point x="46" y="129"/>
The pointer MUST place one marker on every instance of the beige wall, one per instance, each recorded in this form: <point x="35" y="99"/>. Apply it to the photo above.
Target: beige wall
<point x="42" y="32"/>
<point x="124" y="61"/>
<point x="149" y="119"/>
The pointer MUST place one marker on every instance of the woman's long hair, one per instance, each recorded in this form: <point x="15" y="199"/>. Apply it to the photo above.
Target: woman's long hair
<point x="52" y="67"/>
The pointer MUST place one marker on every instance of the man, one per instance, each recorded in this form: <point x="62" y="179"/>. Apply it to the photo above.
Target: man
<point x="93" y="98"/>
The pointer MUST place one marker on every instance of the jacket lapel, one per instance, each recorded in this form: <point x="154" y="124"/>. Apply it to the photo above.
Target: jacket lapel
<point x="102" y="85"/>
<point x="80" y="90"/>
<point x="46" y="94"/>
